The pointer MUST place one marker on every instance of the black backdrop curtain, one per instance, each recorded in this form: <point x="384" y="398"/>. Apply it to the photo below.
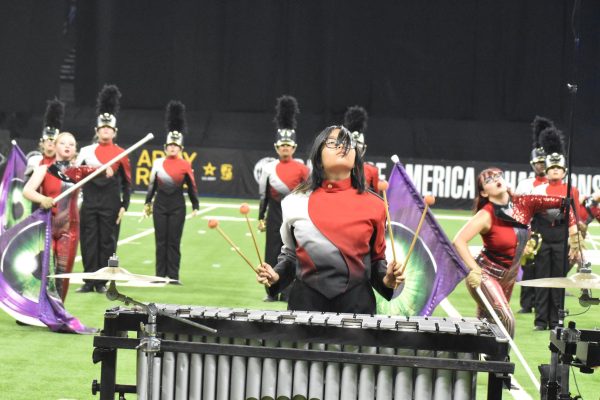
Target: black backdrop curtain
<point x="31" y="49"/>
<point x="432" y="74"/>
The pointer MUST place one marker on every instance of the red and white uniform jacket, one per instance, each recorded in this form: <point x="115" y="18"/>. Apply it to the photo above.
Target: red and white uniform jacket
<point x="103" y="192"/>
<point x="526" y="186"/>
<point x="167" y="179"/>
<point x="505" y="241"/>
<point x="371" y="177"/>
<point x="277" y="180"/>
<point x="333" y="239"/>
<point x="589" y="210"/>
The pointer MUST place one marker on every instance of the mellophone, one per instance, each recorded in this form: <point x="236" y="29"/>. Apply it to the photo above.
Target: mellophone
<point x="303" y="355"/>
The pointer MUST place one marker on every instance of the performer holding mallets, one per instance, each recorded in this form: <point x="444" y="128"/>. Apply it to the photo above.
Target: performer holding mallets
<point x="502" y="220"/>
<point x="334" y="235"/>
<point x="104" y="199"/>
<point x="279" y="178"/>
<point x="167" y="180"/>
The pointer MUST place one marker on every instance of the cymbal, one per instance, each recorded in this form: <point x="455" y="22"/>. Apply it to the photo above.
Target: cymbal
<point x="580" y="280"/>
<point x="118" y="274"/>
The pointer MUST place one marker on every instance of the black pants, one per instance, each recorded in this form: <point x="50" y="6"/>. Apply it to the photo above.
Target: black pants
<point x="549" y="263"/>
<point x="168" y="226"/>
<point x="527" y="296"/>
<point x="98" y="237"/>
<point x="273" y="241"/>
<point x="359" y="299"/>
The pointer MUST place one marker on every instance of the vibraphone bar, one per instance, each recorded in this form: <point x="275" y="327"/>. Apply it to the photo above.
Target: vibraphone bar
<point x="304" y="355"/>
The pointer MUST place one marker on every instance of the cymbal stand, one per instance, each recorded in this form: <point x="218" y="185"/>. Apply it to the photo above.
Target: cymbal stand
<point x="150" y="343"/>
<point x="563" y="348"/>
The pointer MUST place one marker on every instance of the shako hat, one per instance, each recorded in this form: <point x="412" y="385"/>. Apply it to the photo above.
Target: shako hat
<point x="552" y="141"/>
<point x="53" y="119"/>
<point x="538" y="153"/>
<point x="355" y="119"/>
<point x="286" y="110"/>
<point x="175" y="121"/>
<point x="107" y="106"/>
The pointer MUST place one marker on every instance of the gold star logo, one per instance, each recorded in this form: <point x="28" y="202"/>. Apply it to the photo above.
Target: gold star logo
<point x="209" y="169"/>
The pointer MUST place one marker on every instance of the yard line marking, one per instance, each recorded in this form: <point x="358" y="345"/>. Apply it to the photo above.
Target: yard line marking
<point x="521" y="394"/>
<point x="151" y="230"/>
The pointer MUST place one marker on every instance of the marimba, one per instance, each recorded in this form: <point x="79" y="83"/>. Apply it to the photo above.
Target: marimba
<point x="303" y="355"/>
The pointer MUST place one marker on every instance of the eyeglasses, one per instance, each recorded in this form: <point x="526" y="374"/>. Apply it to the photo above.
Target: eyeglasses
<point x="332" y="143"/>
<point x="493" y="177"/>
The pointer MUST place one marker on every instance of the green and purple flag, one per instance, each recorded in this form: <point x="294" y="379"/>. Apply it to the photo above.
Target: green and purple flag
<point x="13" y="206"/>
<point x="434" y="268"/>
<point x="26" y="258"/>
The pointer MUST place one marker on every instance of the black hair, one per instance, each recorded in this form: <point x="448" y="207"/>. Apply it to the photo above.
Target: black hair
<point x="317" y="176"/>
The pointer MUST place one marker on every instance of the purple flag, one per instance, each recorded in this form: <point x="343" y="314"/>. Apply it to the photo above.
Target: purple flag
<point x="26" y="258"/>
<point x="13" y="206"/>
<point x="26" y="293"/>
<point x="434" y="268"/>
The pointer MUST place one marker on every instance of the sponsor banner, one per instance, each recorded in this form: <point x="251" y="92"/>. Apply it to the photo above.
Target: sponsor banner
<point x="235" y="173"/>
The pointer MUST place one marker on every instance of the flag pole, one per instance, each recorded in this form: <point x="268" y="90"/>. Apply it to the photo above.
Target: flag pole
<point x="97" y="172"/>
<point x="512" y="343"/>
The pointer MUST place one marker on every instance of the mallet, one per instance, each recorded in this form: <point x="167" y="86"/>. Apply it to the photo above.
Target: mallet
<point x="245" y="209"/>
<point x="429" y="201"/>
<point x="214" y="224"/>
<point x="383" y="186"/>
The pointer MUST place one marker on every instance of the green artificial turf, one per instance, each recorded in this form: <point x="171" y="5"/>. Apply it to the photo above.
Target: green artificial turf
<point x="38" y="364"/>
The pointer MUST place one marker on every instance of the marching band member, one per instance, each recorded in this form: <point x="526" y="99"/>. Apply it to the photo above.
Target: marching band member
<point x="104" y="199"/>
<point x="333" y="235"/>
<point x="589" y="210"/>
<point x="550" y="259"/>
<point x="355" y="119"/>
<point x="51" y="180"/>
<point x="53" y="120"/>
<point x="526" y="186"/>
<point x="278" y="179"/>
<point x="167" y="180"/>
<point x="502" y="220"/>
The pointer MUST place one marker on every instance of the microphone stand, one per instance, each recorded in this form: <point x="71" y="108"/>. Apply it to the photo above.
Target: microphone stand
<point x="560" y="390"/>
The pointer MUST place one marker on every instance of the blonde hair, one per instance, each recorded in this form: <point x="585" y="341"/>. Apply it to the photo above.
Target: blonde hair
<point x="63" y="134"/>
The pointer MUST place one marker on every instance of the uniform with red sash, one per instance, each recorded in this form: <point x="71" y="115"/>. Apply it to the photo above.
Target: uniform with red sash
<point x="503" y="247"/>
<point x="102" y="199"/>
<point x="549" y="261"/>
<point x="277" y="180"/>
<point x="167" y="179"/>
<point x="333" y="249"/>
<point x="65" y="217"/>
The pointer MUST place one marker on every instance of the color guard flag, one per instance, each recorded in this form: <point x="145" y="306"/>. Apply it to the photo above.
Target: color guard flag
<point x="26" y="257"/>
<point x="13" y="206"/>
<point x="434" y="268"/>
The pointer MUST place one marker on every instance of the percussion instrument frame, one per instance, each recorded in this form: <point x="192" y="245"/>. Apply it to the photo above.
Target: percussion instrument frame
<point x="118" y="321"/>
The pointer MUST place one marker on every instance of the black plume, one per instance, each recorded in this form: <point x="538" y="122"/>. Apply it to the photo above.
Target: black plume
<point x="175" y="116"/>
<point x="55" y="111"/>
<point x="552" y="140"/>
<point x="355" y="119"/>
<point x="286" y="110"/>
<point x="537" y="126"/>
<point x="108" y="100"/>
